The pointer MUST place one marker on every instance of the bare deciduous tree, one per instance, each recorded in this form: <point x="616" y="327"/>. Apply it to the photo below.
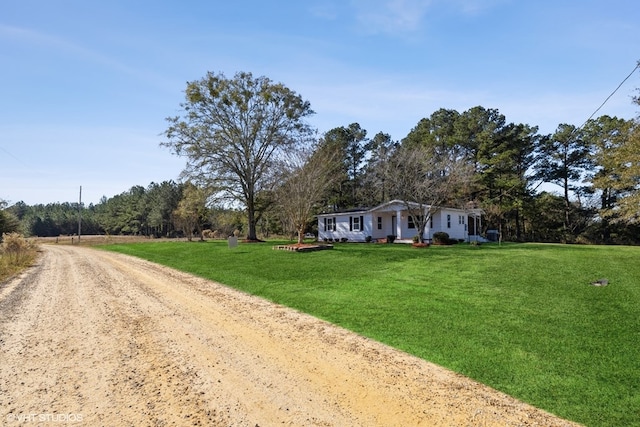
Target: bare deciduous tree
<point x="307" y="176"/>
<point x="425" y="181"/>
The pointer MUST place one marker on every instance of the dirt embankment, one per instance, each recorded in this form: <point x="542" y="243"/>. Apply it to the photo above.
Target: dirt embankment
<point x="95" y="338"/>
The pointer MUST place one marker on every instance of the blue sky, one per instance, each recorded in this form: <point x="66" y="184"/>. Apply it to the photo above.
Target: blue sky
<point x="85" y="86"/>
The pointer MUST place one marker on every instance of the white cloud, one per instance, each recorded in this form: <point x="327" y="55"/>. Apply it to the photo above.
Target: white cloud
<point x="325" y="10"/>
<point x="471" y="7"/>
<point x="390" y="16"/>
<point x="405" y="17"/>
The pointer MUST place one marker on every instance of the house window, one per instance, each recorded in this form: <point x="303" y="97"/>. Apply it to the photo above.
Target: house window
<point x="448" y="221"/>
<point x="355" y="223"/>
<point x="329" y="224"/>
<point x="412" y="223"/>
<point x="379" y="223"/>
<point x="460" y="219"/>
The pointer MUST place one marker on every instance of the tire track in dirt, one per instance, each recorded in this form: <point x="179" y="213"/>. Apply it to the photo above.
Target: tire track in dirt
<point x="124" y="342"/>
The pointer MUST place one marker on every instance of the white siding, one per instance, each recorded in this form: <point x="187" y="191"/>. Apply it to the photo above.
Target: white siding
<point x="446" y="219"/>
<point x="343" y="227"/>
<point x="386" y="225"/>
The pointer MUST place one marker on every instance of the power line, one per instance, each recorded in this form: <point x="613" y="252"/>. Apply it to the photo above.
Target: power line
<point x="14" y="157"/>
<point x="585" y="122"/>
<point x="612" y="93"/>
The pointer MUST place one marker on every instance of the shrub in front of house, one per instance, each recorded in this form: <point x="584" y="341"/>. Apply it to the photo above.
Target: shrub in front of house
<point x="441" y="238"/>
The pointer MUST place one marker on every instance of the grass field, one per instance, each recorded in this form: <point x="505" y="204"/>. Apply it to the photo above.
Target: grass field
<point x="521" y="318"/>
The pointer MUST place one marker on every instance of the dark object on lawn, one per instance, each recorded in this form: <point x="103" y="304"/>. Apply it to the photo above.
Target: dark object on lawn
<point x="601" y="282"/>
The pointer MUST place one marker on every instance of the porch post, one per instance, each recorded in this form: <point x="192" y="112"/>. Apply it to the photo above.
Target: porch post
<point x="399" y="224"/>
<point x="427" y="226"/>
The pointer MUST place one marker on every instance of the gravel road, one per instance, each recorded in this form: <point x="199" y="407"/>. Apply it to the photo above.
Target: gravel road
<point x="101" y="339"/>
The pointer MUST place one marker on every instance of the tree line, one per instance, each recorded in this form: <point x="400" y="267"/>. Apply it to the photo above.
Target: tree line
<point x="255" y="165"/>
<point x="154" y="211"/>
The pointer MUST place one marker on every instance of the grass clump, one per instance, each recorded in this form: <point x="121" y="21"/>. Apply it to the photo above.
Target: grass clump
<point x="16" y="254"/>
<point x="522" y="318"/>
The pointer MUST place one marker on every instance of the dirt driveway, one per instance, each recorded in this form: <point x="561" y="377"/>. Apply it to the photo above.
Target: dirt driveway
<point x="101" y="339"/>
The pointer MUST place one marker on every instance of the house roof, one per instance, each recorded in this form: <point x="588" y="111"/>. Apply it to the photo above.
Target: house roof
<point x="392" y="205"/>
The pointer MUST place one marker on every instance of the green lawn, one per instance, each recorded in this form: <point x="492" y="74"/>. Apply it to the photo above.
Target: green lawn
<point x="521" y="318"/>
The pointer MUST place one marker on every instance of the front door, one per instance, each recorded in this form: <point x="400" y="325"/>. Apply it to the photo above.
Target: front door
<point x="394" y="224"/>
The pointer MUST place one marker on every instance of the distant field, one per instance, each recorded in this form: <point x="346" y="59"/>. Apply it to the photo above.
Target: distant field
<point x="522" y="318"/>
<point x="91" y="240"/>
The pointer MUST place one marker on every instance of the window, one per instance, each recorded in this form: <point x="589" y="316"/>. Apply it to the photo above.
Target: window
<point x="412" y="223"/>
<point x="379" y="223"/>
<point x="355" y="223"/>
<point x="329" y="224"/>
<point x="460" y="219"/>
<point x="448" y="221"/>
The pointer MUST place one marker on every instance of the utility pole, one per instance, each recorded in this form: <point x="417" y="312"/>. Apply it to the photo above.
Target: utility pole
<point x="80" y="215"/>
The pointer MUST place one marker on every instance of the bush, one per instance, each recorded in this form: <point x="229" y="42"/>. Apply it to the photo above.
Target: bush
<point x="344" y="240"/>
<point x="391" y="238"/>
<point x="441" y="238"/>
<point x="16" y="253"/>
<point x="13" y="244"/>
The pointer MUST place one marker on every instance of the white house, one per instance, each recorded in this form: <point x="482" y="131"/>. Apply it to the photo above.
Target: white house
<point x="392" y="218"/>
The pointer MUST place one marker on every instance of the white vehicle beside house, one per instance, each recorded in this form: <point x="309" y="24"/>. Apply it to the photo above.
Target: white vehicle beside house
<point x="393" y="219"/>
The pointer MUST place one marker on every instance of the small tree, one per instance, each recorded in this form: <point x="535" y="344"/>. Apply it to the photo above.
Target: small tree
<point x="191" y="210"/>
<point x="306" y="179"/>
